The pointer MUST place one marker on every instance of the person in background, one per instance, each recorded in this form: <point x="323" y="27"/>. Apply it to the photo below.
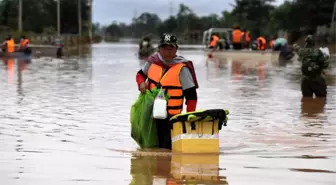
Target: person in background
<point x="9" y="45"/>
<point x="214" y="41"/>
<point x="58" y="42"/>
<point x="145" y="47"/>
<point x="281" y="44"/>
<point x="246" y="39"/>
<point x="174" y="74"/>
<point x="237" y="38"/>
<point x="261" y="43"/>
<point x="271" y="42"/>
<point x="24" y="45"/>
<point x="314" y="62"/>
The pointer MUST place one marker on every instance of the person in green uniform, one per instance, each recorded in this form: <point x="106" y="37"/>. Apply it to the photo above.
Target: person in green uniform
<point x="314" y="62"/>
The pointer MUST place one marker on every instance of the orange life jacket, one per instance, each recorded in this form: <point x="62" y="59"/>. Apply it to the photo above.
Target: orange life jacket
<point x="236" y="36"/>
<point x="214" y="40"/>
<point x="10" y="46"/>
<point x="263" y="43"/>
<point x="170" y="83"/>
<point x="24" y="43"/>
<point x="271" y="44"/>
<point x="247" y="37"/>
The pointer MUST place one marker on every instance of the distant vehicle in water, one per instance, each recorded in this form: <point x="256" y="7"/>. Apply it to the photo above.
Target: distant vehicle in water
<point x="225" y="39"/>
<point x="224" y="35"/>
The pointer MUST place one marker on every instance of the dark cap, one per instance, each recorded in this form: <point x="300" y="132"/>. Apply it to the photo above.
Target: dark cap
<point x="168" y="39"/>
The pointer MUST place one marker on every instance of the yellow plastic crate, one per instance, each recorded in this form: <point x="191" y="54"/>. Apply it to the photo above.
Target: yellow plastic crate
<point x="197" y="132"/>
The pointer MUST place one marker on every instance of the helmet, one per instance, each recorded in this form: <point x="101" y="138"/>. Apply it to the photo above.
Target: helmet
<point x="168" y="39"/>
<point x="309" y="41"/>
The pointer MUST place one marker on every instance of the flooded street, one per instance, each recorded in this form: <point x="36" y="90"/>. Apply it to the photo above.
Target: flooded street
<point x="67" y="122"/>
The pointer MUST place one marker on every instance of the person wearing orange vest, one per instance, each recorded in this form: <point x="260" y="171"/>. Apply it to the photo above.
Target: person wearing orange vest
<point x="271" y="43"/>
<point x="23" y="43"/>
<point x="174" y="74"/>
<point x="247" y="38"/>
<point x="9" y="44"/>
<point x="261" y="43"/>
<point x="237" y="38"/>
<point x="214" y="41"/>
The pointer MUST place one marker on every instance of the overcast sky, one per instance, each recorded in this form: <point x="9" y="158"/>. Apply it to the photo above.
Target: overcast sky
<point x="106" y="11"/>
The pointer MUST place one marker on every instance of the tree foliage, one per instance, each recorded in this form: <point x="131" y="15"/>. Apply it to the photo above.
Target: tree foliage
<point x="260" y="17"/>
<point x="41" y="15"/>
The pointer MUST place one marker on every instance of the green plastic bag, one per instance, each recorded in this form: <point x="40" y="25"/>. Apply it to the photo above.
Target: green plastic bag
<point x="143" y="128"/>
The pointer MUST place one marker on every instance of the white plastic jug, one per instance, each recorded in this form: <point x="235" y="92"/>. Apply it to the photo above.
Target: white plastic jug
<point x="160" y="108"/>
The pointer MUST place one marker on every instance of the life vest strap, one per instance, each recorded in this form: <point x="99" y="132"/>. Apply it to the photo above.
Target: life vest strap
<point x="176" y="97"/>
<point x="175" y="107"/>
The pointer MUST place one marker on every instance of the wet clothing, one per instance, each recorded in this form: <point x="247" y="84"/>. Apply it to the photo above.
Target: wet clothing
<point x="313" y="64"/>
<point x="311" y="86"/>
<point x="186" y="81"/>
<point x="164" y="133"/>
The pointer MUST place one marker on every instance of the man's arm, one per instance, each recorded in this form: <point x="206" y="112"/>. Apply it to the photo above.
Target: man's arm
<point x="4" y="43"/>
<point x="299" y="51"/>
<point x="141" y="75"/>
<point x="189" y="89"/>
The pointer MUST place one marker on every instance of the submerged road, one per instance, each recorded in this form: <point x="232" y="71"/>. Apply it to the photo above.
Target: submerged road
<point x="66" y="121"/>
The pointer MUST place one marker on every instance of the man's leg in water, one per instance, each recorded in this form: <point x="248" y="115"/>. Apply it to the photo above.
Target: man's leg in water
<point x="320" y="87"/>
<point x="306" y="87"/>
<point x="163" y="131"/>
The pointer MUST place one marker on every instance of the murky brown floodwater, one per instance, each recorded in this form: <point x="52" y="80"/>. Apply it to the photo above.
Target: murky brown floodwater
<point x="61" y="122"/>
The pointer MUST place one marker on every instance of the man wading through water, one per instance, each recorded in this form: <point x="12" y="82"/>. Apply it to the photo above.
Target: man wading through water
<point x="176" y="76"/>
<point x="314" y="62"/>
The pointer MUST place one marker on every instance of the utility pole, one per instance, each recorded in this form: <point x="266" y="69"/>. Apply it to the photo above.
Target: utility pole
<point x="333" y="20"/>
<point x="20" y="17"/>
<point x="171" y="7"/>
<point x="58" y="18"/>
<point x="79" y="17"/>
<point x="90" y="20"/>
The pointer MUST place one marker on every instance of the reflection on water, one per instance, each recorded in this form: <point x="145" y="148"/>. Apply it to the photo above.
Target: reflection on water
<point x="311" y="107"/>
<point x="176" y="169"/>
<point x="60" y="120"/>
